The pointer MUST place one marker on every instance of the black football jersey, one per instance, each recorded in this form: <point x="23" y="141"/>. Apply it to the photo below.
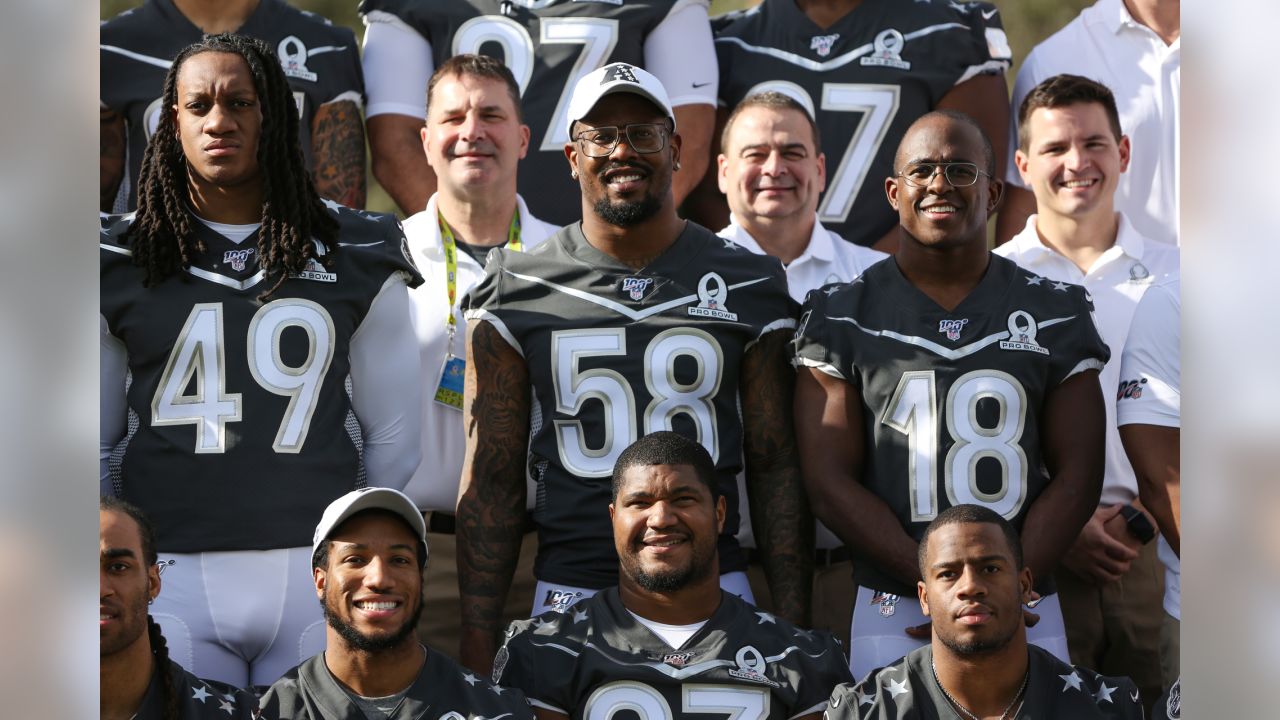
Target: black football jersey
<point x="866" y="79"/>
<point x="442" y="691"/>
<point x="548" y="44"/>
<point x="137" y="46"/>
<point x="907" y="689"/>
<point x="596" y="659"/>
<point x="197" y="699"/>
<point x="241" y="441"/>
<point x="951" y="401"/>
<point x="615" y="354"/>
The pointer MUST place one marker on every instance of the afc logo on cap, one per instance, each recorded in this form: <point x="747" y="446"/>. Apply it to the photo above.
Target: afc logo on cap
<point x="620" y="71"/>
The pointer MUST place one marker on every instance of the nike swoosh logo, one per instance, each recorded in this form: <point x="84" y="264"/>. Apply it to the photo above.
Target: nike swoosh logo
<point x="987" y="15"/>
<point x="698" y="85"/>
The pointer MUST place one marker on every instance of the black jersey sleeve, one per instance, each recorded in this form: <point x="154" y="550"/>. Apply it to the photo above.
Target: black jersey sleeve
<point x="536" y="660"/>
<point x="374" y="241"/>
<point x="823" y="667"/>
<point x="815" y="344"/>
<point x="988" y="46"/>
<point x="414" y="13"/>
<point x="346" y="76"/>
<point x="1080" y="346"/>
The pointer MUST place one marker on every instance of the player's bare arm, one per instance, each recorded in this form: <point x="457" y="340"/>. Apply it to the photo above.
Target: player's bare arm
<point x="1074" y="440"/>
<point x="337" y="144"/>
<point x="985" y="98"/>
<point x="705" y="204"/>
<point x="1153" y="451"/>
<point x="775" y="492"/>
<point x="491" y="498"/>
<point x="696" y="123"/>
<point x="399" y="163"/>
<point x="111" y="136"/>
<point x="1018" y="205"/>
<point x="830" y="434"/>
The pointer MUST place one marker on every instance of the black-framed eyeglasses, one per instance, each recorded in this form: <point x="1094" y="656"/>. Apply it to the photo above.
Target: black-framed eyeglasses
<point x="644" y="138"/>
<point x="958" y="174"/>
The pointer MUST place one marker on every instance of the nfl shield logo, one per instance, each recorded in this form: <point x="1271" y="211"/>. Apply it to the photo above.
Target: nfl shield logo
<point x="237" y="258"/>
<point x="821" y="44"/>
<point x="952" y="328"/>
<point x="636" y="287"/>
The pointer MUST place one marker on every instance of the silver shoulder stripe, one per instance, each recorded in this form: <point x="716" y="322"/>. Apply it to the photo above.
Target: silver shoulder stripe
<point x="939" y="350"/>
<point x="617" y="306"/>
<point x="158" y="62"/>
<point x="839" y="60"/>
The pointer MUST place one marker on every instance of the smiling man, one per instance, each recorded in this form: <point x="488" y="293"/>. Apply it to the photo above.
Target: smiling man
<point x="978" y="664"/>
<point x="368" y="557"/>
<point x="474" y="139"/>
<point x="1073" y="155"/>
<point x="627" y="323"/>
<point x="946" y="376"/>
<point x="667" y="636"/>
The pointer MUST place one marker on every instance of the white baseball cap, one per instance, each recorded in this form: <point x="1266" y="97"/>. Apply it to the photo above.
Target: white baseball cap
<point x="370" y="498"/>
<point x="612" y="78"/>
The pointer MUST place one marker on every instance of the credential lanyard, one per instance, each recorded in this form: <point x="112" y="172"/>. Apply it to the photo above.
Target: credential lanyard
<point x="451" y="263"/>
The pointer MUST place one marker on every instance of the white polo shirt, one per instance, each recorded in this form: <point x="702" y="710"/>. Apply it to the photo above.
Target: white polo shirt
<point x="1151" y="369"/>
<point x="1117" y="281"/>
<point x="827" y="259"/>
<point x="434" y="485"/>
<point x="1106" y="44"/>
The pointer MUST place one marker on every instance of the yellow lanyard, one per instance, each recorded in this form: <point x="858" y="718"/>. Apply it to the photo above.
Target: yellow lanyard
<point x="451" y="261"/>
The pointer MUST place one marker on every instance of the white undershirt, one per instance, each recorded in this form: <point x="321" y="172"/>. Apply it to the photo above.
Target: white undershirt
<point x="674" y="635"/>
<point x="234" y="233"/>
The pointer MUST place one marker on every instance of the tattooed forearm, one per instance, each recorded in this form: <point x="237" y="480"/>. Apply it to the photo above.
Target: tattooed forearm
<point x="111" y="137"/>
<point x="337" y="146"/>
<point x="491" y="504"/>
<point x="779" y="508"/>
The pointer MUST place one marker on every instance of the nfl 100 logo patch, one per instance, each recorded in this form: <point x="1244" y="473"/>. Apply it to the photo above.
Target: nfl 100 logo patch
<point x="636" y="287"/>
<point x="952" y="328"/>
<point x="237" y="258"/>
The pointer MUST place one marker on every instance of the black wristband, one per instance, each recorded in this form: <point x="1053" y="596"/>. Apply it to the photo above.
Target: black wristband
<point x="1139" y="526"/>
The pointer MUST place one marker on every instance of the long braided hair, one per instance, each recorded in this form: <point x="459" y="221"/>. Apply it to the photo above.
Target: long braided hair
<point x="170" y="699"/>
<point x="163" y="234"/>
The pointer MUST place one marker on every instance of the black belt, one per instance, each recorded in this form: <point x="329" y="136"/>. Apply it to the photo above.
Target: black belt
<point x="822" y="557"/>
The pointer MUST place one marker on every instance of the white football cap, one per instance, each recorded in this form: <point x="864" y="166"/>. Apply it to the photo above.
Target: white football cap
<point x="370" y="498"/>
<point x="612" y="78"/>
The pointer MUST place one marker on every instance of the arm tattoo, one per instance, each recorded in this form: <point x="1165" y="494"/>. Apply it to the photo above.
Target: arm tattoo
<point x="110" y="159"/>
<point x="775" y="493"/>
<point x="337" y="146"/>
<point x="491" y="508"/>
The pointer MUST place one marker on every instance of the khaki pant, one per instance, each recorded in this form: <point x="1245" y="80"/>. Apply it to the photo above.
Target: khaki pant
<point x="1114" y="629"/>
<point x="1170" y="650"/>
<point x="833" y="592"/>
<point x="440" y="625"/>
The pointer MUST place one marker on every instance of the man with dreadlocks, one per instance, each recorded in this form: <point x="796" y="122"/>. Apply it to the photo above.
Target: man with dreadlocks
<point x="138" y="680"/>
<point x="240" y="302"/>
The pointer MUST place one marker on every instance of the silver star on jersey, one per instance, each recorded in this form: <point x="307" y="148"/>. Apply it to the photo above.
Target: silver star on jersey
<point x="730" y="245"/>
<point x="227" y="707"/>
<point x="496" y="689"/>
<point x="471" y="679"/>
<point x="1071" y="681"/>
<point x="765" y="618"/>
<point x="866" y="699"/>
<point x="897" y="687"/>
<point x="1060" y="286"/>
<point x="200" y="694"/>
<point x="1034" y="280"/>
<point x="579" y="616"/>
<point x="1104" y="693"/>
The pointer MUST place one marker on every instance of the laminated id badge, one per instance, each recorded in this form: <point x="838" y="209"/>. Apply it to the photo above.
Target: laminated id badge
<point x="449" y="390"/>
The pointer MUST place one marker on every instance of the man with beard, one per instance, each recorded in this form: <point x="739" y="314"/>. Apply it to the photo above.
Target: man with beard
<point x="137" y="678"/>
<point x="629" y="322"/>
<point x="979" y="664"/>
<point x="368" y="557"/>
<point x="667" y="636"/>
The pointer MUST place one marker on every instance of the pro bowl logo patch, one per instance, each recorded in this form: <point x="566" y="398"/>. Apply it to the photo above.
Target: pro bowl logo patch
<point x="316" y="271"/>
<point x="712" y="293"/>
<point x="237" y="258"/>
<point x="888" y="51"/>
<point x="1022" y="334"/>
<point x="952" y="328"/>
<point x="751" y="667"/>
<point x="293" y="58"/>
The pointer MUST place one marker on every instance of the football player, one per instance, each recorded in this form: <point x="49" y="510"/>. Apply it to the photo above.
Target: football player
<point x="667" y="636"/>
<point x="978" y="663"/>
<point x="942" y="376"/>
<point x="138" y="679"/>
<point x="369" y="554"/>
<point x="865" y="70"/>
<point x="629" y="322"/>
<point x="321" y="63"/>
<point x="772" y="172"/>
<point x="239" y="303"/>
<point x="549" y="46"/>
